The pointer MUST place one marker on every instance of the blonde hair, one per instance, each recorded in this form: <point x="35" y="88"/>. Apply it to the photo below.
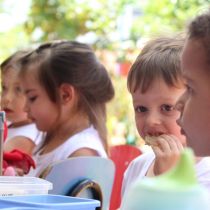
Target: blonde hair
<point x="160" y="58"/>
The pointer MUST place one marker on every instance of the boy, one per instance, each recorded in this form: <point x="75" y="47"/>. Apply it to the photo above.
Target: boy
<point x="195" y="103"/>
<point x="155" y="82"/>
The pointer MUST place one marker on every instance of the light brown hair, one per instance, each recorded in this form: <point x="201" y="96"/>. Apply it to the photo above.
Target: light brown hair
<point x="13" y="60"/>
<point x="160" y="58"/>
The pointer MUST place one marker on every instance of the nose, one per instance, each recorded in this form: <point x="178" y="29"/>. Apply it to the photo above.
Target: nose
<point x="180" y="107"/>
<point x="26" y="108"/>
<point x="180" y="104"/>
<point x="6" y="98"/>
<point x="153" y="124"/>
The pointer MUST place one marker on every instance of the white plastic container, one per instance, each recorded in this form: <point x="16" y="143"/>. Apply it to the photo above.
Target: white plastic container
<point x="15" y="185"/>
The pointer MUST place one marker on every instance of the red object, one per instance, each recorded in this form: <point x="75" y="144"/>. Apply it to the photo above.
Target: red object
<point x="124" y="68"/>
<point x="18" y="159"/>
<point x="5" y="131"/>
<point x="121" y="155"/>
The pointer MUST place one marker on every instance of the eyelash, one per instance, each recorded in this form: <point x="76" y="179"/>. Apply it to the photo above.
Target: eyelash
<point x="189" y="89"/>
<point x="3" y="88"/>
<point x="32" y="99"/>
<point x="18" y="89"/>
<point x="141" y="109"/>
<point x="164" y="107"/>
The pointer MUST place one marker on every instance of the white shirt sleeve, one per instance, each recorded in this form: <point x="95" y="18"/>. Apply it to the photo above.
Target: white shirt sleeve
<point x="137" y="169"/>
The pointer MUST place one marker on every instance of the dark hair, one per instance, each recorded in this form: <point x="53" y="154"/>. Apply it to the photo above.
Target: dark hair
<point x="160" y="58"/>
<point x="75" y="63"/>
<point x="12" y="60"/>
<point x="199" y="29"/>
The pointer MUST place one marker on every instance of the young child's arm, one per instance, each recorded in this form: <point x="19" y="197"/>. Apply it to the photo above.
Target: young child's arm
<point x="167" y="151"/>
<point x="19" y="142"/>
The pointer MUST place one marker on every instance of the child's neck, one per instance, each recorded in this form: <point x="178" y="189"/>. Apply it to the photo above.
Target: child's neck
<point x="20" y="123"/>
<point x="63" y="132"/>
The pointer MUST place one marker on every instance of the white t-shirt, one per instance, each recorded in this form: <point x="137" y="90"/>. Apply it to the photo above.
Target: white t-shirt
<point x="88" y="138"/>
<point x="138" y="168"/>
<point x="29" y="131"/>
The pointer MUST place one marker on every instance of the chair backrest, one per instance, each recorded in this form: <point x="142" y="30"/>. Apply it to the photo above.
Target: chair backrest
<point x="121" y="155"/>
<point x="90" y="177"/>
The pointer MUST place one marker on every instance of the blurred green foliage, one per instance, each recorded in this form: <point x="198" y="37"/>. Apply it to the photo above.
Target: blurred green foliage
<point x="56" y="19"/>
<point x="166" y="16"/>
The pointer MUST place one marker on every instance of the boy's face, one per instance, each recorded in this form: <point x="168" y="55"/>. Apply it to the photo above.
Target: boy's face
<point x="154" y="110"/>
<point x="13" y="99"/>
<point x="195" y="103"/>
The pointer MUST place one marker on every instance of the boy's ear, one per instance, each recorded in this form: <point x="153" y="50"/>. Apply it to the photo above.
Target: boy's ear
<point x="67" y="93"/>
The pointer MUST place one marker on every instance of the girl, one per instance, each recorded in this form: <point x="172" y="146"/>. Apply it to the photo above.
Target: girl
<point x="67" y="89"/>
<point x="155" y="82"/>
<point x="22" y="132"/>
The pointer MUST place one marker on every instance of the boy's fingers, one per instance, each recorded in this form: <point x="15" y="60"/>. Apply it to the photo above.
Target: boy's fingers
<point x="163" y="144"/>
<point x="173" y="142"/>
<point x="157" y="151"/>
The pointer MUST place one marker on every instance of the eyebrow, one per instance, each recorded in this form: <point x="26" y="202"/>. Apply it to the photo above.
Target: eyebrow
<point x="17" y="83"/>
<point x="29" y="90"/>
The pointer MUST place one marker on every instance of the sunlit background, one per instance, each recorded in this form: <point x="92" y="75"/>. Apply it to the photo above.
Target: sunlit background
<point x="116" y="29"/>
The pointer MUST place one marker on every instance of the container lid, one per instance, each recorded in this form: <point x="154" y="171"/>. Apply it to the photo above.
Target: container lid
<point x="22" y="208"/>
<point x="54" y="202"/>
<point x="24" y="182"/>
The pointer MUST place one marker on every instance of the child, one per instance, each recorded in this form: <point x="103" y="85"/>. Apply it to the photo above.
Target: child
<point x="155" y="82"/>
<point x="195" y="103"/>
<point x="22" y="133"/>
<point x="67" y="89"/>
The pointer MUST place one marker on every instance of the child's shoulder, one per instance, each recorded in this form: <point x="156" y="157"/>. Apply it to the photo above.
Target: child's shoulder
<point x="29" y="131"/>
<point x="31" y="127"/>
<point x="140" y="163"/>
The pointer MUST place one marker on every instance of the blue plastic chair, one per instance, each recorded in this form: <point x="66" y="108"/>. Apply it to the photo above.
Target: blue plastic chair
<point x="86" y="177"/>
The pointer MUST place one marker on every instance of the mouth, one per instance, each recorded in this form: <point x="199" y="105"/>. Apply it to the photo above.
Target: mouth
<point x="7" y="110"/>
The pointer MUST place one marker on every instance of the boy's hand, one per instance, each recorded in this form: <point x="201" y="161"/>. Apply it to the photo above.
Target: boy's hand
<point x="167" y="151"/>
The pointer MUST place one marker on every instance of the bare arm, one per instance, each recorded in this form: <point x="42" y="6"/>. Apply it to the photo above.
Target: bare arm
<point x="20" y="142"/>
